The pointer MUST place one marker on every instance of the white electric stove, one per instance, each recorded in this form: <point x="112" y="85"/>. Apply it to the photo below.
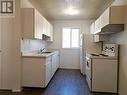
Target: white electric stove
<point x="102" y="69"/>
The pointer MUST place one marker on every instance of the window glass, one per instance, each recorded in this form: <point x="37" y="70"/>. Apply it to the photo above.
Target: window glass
<point x="75" y="38"/>
<point x="70" y="38"/>
<point x="66" y="37"/>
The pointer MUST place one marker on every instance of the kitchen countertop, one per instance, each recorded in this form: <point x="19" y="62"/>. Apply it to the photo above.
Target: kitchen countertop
<point x="35" y="54"/>
<point x="101" y="57"/>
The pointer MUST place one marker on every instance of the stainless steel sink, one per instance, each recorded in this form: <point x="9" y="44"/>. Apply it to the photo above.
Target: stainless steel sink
<point x="46" y="52"/>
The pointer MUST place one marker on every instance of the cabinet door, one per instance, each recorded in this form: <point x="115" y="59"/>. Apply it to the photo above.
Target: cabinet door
<point x="27" y="22"/>
<point x="100" y="23"/>
<point x="33" y="72"/>
<point x="48" y="71"/>
<point x="92" y="28"/>
<point x="104" y="75"/>
<point x="48" y="28"/>
<point x="57" y="60"/>
<point x="38" y="25"/>
<point x="51" y="32"/>
<point x="105" y="18"/>
<point x="97" y="25"/>
<point x="54" y="63"/>
<point x="44" y="26"/>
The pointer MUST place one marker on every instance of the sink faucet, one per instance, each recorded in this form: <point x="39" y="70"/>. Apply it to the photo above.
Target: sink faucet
<point x="41" y="50"/>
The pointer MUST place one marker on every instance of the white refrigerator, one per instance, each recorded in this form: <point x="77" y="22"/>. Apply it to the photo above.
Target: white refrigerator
<point x="82" y="55"/>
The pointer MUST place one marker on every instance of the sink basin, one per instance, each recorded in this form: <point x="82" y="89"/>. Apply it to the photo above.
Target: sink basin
<point x="46" y="52"/>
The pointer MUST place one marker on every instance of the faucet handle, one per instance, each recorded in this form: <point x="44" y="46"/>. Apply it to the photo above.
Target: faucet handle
<point x="42" y="49"/>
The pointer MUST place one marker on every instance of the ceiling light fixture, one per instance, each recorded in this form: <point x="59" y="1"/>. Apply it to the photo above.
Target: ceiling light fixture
<point x="71" y="7"/>
<point x="71" y="11"/>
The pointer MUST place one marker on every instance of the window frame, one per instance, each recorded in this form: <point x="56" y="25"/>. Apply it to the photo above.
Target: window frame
<point x="71" y="38"/>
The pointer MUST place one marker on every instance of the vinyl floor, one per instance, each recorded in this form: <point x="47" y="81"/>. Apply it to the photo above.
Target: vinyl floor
<point x="64" y="82"/>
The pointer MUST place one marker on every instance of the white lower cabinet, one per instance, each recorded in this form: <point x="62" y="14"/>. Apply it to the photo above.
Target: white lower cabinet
<point x="48" y="70"/>
<point x="38" y="71"/>
<point x="105" y="75"/>
<point x="55" y="63"/>
<point x="33" y="72"/>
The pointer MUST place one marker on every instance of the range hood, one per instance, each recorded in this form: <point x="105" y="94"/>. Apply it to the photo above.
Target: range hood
<point x="111" y="28"/>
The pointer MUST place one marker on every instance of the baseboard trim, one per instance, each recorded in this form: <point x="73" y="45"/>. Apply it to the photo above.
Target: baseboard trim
<point x="69" y="68"/>
<point x="16" y="90"/>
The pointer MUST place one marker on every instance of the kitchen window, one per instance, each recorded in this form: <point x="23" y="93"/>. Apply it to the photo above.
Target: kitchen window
<point x="70" y="38"/>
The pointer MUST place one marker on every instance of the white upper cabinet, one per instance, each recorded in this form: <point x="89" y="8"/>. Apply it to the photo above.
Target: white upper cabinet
<point x="92" y="28"/>
<point x="113" y="15"/>
<point x="97" y="25"/>
<point x="48" y="29"/>
<point x="45" y="26"/>
<point x="32" y="26"/>
<point x="111" y="21"/>
<point x="38" y="25"/>
<point x="51" y="32"/>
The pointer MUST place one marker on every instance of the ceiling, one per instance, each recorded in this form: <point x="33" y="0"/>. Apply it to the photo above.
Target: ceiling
<point x="54" y="9"/>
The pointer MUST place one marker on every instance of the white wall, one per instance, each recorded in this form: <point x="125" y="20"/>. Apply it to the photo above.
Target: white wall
<point x="11" y="56"/>
<point x="121" y="38"/>
<point x="70" y="58"/>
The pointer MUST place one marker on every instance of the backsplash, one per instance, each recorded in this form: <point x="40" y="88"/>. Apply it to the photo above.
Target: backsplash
<point x="28" y="45"/>
<point x="110" y="49"/>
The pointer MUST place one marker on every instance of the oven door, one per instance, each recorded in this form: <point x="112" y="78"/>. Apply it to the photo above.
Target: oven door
<point x="88" y="67"/>
<point x="88" y="71"/>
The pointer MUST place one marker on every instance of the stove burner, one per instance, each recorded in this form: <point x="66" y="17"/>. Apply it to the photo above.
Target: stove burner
<point x="103" y="55"/>
<point x="94" y="54"/>
<point x="99" y="55"/>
